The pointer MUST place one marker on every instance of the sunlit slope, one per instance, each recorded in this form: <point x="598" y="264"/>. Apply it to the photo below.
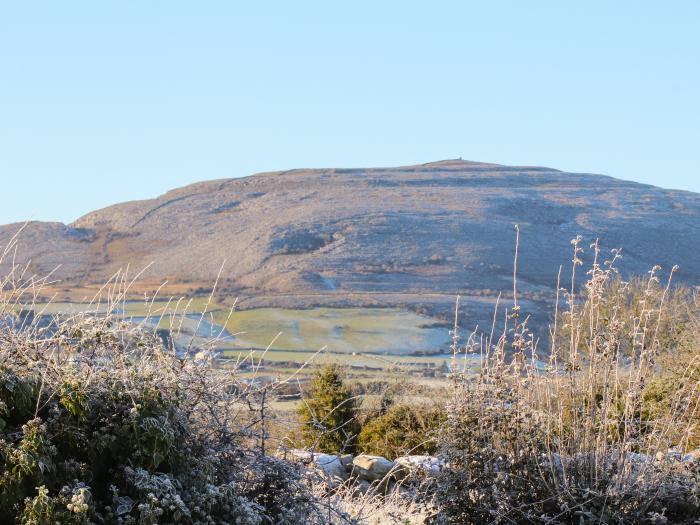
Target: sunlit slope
<point x="380" y="237"/>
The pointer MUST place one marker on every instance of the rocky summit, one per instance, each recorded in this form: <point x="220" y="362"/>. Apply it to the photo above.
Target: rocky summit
<point x="409" y="236"/>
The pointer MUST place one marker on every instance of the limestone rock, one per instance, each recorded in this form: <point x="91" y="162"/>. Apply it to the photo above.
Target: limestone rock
<point x="692" y="456"/>
<point x="331" y="467"/>
<point x="326" y="467"/>
<point x="427" y="465"/>
<point x="372" y="468"/>
<point x="346" y="460"/>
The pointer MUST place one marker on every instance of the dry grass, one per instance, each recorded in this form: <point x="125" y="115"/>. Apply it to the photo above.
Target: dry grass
<point x="572" y="437"/>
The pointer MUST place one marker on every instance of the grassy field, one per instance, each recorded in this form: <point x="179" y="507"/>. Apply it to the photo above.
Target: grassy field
<point x="389" y="331"/>
<point x="128" y="308"/>
<point x="358" y="359"/>
<point x="377" y="330"/>
<point x="371" y="338"/>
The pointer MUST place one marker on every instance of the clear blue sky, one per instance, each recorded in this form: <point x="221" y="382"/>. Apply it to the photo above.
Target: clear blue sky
<point x="102" y="102"/>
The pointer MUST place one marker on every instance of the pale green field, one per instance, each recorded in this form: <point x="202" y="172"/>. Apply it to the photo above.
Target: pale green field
<point x="360" y="330"/>
<point x="369" y="360"/>
<point x="129" y="308"/>
<point x="380" y="338"/>
<point x="389" y="331"/>
<point x="176" y="307"/>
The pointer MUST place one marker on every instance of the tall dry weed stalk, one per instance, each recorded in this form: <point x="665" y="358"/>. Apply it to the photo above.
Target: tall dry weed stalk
<point x="572" y="437"/>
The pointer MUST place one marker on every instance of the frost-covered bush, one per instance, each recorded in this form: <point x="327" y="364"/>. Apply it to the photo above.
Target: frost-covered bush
<point x="594" y="432"/>
<point x="101" y="424"/>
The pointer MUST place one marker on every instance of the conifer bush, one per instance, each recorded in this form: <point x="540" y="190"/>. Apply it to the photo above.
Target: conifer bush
<point x="328" y="413"/>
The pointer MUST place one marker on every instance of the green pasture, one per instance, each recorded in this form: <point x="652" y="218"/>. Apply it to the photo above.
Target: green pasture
<point x="381" y="338"/>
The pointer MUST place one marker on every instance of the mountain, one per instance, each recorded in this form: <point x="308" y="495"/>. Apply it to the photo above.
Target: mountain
<point x="414" y="235"/>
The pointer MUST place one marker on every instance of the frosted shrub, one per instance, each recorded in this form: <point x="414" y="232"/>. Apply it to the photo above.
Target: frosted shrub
<point x="99" y="423"/>
<point x="574" y="437"/>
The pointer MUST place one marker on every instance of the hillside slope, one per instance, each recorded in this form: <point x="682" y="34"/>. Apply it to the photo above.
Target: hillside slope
<point x="415" y="234"/>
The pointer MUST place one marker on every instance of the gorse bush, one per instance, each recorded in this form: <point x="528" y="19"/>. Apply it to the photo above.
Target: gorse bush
<point x="590" y="433"/>
<point x="402" y="429"/>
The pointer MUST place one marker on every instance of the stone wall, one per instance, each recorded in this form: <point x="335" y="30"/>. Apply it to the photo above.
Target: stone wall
<point x="365" y="472"/>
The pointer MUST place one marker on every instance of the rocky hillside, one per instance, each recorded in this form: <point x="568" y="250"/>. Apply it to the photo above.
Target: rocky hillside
<point x="387" y="236"/>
